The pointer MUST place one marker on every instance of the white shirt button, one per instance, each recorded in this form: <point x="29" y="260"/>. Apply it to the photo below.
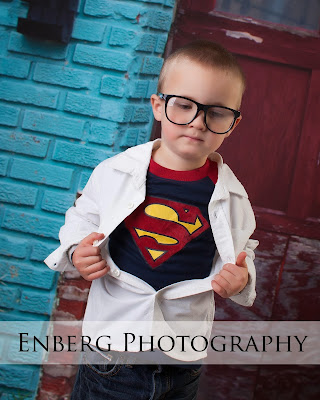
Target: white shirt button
<point x="116" y="272"/>
<point x="130" y="205"/>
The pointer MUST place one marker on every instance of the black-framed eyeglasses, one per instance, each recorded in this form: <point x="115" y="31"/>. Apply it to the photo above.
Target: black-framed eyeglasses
<point x="182" y="111"/>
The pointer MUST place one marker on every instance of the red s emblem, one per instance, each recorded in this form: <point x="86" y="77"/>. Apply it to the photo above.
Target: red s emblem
<point x="163" y="227"/>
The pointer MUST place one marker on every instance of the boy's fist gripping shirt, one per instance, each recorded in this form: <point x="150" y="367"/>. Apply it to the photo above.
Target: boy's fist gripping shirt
<point x="168" y="238"/>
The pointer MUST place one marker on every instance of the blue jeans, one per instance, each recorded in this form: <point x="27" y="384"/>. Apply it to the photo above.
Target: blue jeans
<point x="120" y="381"/>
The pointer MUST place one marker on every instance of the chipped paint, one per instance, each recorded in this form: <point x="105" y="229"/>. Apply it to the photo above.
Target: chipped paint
<point x="243" y="35"/>
<point x="73" y="293"/>
<point x="279" y="27"/>
<point x="14" y="272"/>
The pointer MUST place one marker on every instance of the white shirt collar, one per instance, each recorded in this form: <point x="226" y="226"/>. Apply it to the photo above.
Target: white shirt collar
<point x="135" y="161"/>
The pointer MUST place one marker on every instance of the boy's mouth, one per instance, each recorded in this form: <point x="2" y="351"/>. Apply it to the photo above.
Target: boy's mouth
<point x="193" y="138"/>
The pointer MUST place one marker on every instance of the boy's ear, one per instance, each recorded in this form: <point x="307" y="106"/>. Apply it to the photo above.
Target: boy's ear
<point x="237" y="121"/>
<point x="156" y="104"/>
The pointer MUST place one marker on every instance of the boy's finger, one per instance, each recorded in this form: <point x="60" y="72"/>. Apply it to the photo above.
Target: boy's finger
<point x="87" y="251"/>
<point x="91" y="238"/>
<point x="223" y="281"/>
<point x="86" y="262"/>
<point x="232" y="268"/>
<point x="241" y="260"/>
<point x="98" y="274"/>
<point x="97" y="266"/>
<point x="219" y="289"/>
<point x="229" y="276"/>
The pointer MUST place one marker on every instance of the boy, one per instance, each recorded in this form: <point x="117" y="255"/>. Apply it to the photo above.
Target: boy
<point x="162" y="226"/>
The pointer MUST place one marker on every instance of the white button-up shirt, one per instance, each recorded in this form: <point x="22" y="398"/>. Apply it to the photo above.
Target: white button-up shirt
<point x="115" y="189"/>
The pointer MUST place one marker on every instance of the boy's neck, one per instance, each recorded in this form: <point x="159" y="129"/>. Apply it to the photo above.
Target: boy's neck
<point x="174" y="162"/>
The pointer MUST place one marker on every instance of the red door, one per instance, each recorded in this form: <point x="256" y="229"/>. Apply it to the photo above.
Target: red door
<point x="275" y="154"/>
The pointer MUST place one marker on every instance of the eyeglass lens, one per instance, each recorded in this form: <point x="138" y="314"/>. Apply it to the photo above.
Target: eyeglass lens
<point x="182" y="111"/>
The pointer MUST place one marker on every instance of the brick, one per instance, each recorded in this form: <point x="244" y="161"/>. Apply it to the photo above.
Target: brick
<point x="160" y="20"/>
<point x="63" y="76"/>
<point x="53" y="124"/>
<point x="116" y="112"/>
<point x="9" y="115"/>
<point x="15" y="319"/>
<point x="12" y="247"/>
<point x="103" y="133"/>
<point x="144" y="136"/>
<point x="18" y="194"/>
<point x="2" y="348"/>
<point x="147" y="42"/>
<point x="10" y="396"/>
<point x="130" y="137"/>
<point x="14" y="67"/>
<point x="76" y="308"/>
<point x="81" y="104"/>
<point x="4" y="38"/>
<point x="61" y="316"/>
<point x="59" y="386"/>
<point x="13" y="326"/>
<point x="91" y="31"/>
<point x="41" y="173"/>
<point x="6" y="17"/>
<point x="72" y="292"/>
<point x="78" y="154"/>
<point x="57" y="202"/>
<point x="72" y="274"/>
<point x="79" y="283"/>
<point x="115" y="9"/>
<point x="44" y="48"/>
<point x="60" y="370"/>
<point x="142" y="114"/>
<point x="9" y="296"/>
<point x="122" y="37"/>
<point x="151" y="65"/>
<point x="152" y="89"/>
<point x="103" y="58"/>
<point x="30" y="357"/>
<point x="40" y="250"/>
<point x="161" y="43"/>
<point x="4" y="161"/>
<point x="9" y="15"/>
<point x="27" y="93"/>
<point x="138" y="89"/>
<point x="83" y="180"/>
<point x="113" y="86"/>
<point x="32" y="223"/>
<point x="36" y="301"/>
<point x="25" y="144"/>
<point x="20" y="376"/>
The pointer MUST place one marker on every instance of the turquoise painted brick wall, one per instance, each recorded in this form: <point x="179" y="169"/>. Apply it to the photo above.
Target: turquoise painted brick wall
<point x="63" y="109"/>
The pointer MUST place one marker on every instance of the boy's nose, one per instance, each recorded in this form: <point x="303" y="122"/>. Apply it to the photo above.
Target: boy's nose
<point x="198" y="122"/>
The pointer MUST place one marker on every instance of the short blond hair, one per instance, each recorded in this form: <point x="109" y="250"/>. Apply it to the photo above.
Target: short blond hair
<point x="206" y="53"/>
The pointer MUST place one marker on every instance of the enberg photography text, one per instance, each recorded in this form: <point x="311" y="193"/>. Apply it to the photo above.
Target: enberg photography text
<point x="218" y="342"/>
<point x="165" y="343"/>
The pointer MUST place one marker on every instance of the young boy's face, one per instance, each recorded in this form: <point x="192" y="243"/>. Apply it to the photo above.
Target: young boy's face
<point x="186" y="147"/>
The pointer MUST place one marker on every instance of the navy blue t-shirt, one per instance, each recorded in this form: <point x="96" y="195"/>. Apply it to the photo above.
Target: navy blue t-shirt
<point x="168" y="238"/>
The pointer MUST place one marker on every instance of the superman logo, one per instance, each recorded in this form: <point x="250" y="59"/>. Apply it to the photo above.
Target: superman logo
<point x="161" y="228"/>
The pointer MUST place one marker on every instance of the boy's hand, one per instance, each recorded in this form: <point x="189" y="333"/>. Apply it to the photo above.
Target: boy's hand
<point x="87" y="258"/>
<point x="232" y="278"/>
